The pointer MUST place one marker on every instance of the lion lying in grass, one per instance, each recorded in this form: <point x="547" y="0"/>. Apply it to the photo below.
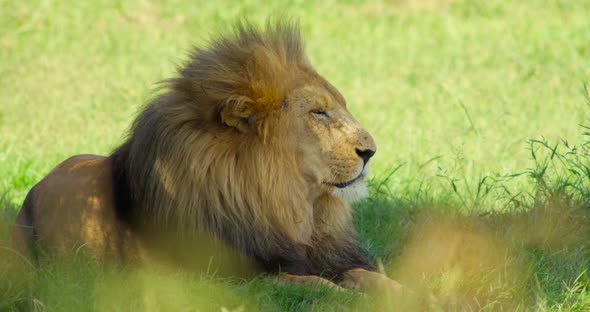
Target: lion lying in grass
<point x="249" y="151"/>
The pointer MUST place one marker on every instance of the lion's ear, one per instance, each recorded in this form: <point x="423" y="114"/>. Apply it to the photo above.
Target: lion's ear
<point x="238" y="113"/>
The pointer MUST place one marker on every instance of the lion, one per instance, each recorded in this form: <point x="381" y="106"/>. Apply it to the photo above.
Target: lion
<point x="248" y="148"/>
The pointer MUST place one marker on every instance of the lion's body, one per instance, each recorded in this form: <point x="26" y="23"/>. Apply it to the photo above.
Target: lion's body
<point x="73" y="205"/>
<point x="246" y="152"/>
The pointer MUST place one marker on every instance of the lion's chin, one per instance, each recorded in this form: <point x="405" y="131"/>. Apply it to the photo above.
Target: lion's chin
<point x="353" y="192"/>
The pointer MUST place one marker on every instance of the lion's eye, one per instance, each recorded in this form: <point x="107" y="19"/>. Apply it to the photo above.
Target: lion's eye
<point x="320" y="113"/>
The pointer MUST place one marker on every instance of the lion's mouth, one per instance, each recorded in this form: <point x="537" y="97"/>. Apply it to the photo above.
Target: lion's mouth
<point x="345" y="184"/>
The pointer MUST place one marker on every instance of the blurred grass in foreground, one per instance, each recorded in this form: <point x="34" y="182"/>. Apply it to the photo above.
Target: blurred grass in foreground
<point x="452" y="88"/>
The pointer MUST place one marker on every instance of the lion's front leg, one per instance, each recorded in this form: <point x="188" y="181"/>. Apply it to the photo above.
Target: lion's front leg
<point x="367" y="281"/>
<point x="307" y="280"/>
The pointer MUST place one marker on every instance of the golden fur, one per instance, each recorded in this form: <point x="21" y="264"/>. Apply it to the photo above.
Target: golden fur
<point x="248" y="148"/>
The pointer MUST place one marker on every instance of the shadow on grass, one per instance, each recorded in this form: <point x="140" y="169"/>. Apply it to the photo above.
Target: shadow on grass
<point x="531" y="255"/>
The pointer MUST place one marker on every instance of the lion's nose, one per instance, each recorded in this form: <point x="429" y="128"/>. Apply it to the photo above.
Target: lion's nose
<point x="365" y="155"/>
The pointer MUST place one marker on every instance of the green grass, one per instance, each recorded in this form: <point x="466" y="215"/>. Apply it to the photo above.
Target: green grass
<point x="453" y="92"/>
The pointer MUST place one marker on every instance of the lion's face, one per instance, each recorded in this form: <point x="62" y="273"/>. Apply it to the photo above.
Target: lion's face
<point x="329" y="130"/>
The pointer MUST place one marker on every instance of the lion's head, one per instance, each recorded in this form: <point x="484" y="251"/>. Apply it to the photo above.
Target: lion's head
<point x="249" y="143"/>
<point x="336" y="147"/>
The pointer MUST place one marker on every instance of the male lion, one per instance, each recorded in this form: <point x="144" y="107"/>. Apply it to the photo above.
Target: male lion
<point x="249" y="148"/>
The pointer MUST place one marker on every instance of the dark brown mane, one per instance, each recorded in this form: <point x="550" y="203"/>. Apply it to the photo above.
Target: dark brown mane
<point x="197" y="159"/>
<point x="248" y="69"/>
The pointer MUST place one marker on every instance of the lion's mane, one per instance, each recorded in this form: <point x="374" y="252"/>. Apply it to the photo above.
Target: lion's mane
<point x="183" y="170"/>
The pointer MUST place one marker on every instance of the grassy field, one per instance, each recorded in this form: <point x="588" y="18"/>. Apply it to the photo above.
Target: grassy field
<point x="480" y="186"/>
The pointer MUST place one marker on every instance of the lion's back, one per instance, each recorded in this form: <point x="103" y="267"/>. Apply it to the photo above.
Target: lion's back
<point x="71" y="206"/>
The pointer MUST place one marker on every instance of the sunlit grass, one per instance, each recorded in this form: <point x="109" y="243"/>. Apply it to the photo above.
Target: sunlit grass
<point x="457" y="87"/>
